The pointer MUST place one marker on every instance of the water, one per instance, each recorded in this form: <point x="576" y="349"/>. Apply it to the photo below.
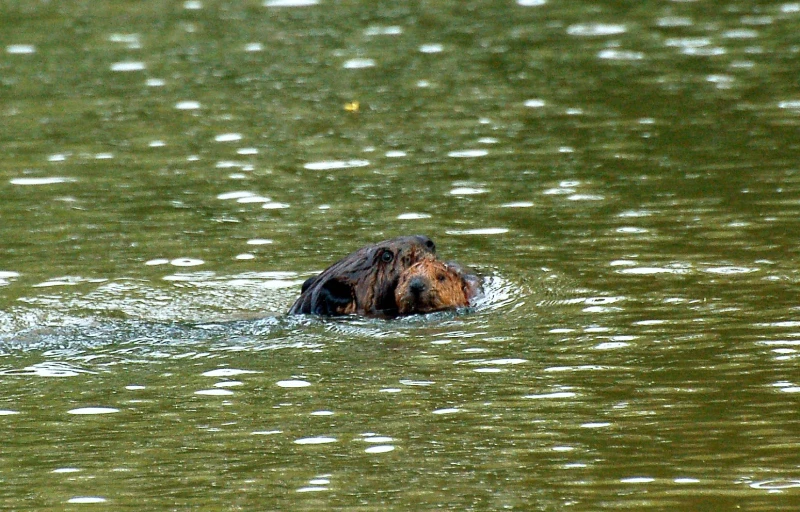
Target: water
<point x="625" y="177"/>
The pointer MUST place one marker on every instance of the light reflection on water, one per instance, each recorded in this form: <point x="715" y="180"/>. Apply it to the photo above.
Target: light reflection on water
<point x="624" y="179"/>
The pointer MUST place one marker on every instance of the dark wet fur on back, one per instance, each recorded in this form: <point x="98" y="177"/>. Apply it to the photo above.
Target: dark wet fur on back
<point x="364" y="281"/>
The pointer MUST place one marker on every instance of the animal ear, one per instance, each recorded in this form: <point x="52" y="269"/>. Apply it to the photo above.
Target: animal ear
<point x="307" y="284"/>
<point x="334" y="296"/>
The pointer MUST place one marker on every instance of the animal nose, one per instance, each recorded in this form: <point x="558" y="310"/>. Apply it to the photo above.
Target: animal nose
<point x="416" y="285"/>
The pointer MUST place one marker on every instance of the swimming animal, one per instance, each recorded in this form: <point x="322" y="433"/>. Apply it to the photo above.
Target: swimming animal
<point x="364" y="281"/>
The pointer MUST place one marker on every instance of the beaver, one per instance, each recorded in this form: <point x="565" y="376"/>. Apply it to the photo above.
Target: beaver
<point x="363" y="282"/>
<point x="433" y="285"/>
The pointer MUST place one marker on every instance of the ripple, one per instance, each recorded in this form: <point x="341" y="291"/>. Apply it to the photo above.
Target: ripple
<point x="468" y="191"/>
<point x="86" y="499"/>
<point x="598" y="424"/>
<point x="468" y="153"/>
<point x="642" y="271"/>
<point x="290" y="3"/>
<point x="674" y="21"/>
<point x="214" y="392"/>
<point x="730" y="270"/>
<point x="226" y="372"/>
<point x="228" y="384"/>
<point x="740" y="33"/>
<point x="259" y="241"/>
<point x="557" y="394"/>
<point x="506" y="361"/>
<point x="775" y="484"/>
<point x="383" y="31"/>
<point x="611" y="345"/>
<point x="253" y="199"/>
<point x="50" y="180"/>
<point x="687" y="42"/>
<point x="585" y="197"/>
<point x="407" y="382"/>
<point x="186" y="262"/>
<point x="7" y="412"/>
<point x="273" y="205"/>
<point x="240" y="194"/>
<point x="54" y="369"/>
<point x="448" y="410"/>
<point x="92" y="410"/>
<point x="335" y="164"/>
<point x="614" y="54"/>
<point x="128" y="66"/>
<point x="358" y="63"/>
<point x="294" y="383"/>
<point x="374" y="439"/>
<point x="704" y="52"/>
<point x="534" y="103"/>
<point x="637" y="480"/>
<point x="187" y="105"/>
<point x="517" y="204"/>
<point x="20" y="49"/>
<point x="431" y="48"/>
<point x="790" y="104"/>
<point x="595" y="29"/>
<point x="315" y="440"/>
<point x="531" y="3"/>
<point x="413" y="216"/>
<point x="228" y="137"/>
<point x="381" y="448"/>
<point x="478" y="231"/>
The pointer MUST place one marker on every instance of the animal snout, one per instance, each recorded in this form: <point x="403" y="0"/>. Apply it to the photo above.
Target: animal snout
<point x="417" y="285"/>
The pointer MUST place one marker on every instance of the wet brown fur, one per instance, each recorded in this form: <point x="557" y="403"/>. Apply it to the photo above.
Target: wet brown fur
<point x="432" y="285"/>
<point x="364" y="281"/>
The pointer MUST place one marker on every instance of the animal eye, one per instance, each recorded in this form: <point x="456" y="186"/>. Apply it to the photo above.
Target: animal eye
<point x="440" y="277"/>
<point x="430" y="245"/>
<point x="387" y="256"/>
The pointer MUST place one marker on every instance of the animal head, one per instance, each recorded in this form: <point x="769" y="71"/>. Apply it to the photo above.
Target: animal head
<point x="432" y="285"/>
<point x="364" y="281"/>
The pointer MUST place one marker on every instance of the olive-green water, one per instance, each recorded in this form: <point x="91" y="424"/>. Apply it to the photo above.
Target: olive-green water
<point x="625" y="176"/>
